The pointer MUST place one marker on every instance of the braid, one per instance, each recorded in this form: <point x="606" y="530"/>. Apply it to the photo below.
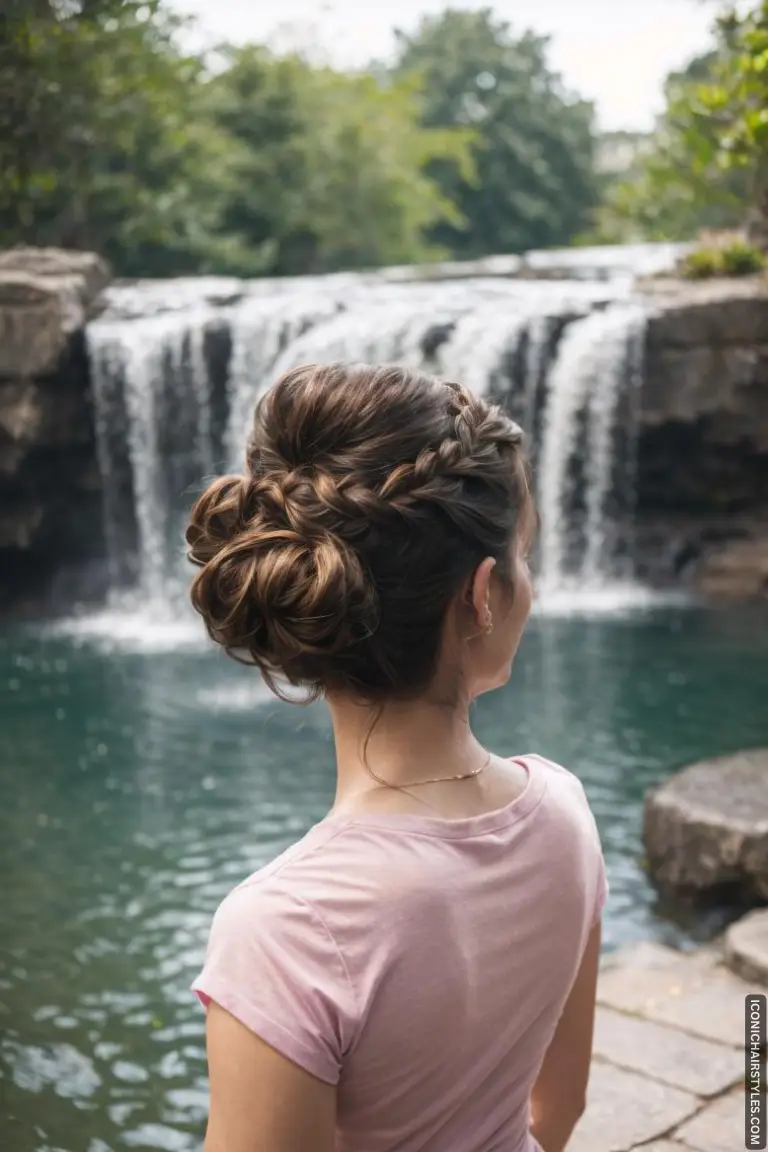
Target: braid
<point x="481" y="446"/>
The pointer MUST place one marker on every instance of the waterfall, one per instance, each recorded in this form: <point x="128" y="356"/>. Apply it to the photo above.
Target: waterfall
<point x="201" y="384"/>
<point x="539" y="335"/>
<point x="109" y="419"/>
<point x="174" y="393"/>
<point x="623" y="370"/>
<point x="481" y="340"/>
<point x="261" y="327"/>
<point x="594" y="359"/>
<point x="151" y="384"/>
<point x="143" y="367"/>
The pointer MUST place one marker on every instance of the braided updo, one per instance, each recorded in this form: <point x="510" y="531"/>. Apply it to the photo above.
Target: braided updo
<point x="370" y="494"/>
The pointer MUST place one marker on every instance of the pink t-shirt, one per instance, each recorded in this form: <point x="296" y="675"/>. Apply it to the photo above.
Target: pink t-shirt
<point x="420" y="964"/>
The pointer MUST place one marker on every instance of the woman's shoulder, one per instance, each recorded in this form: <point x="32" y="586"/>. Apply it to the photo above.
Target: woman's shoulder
<point x="571" y="826"/>
<point x="565" y="791"/>
<point x="555" y="773"/>
<point x="286" y="872"/>
<point x="280" y="905"/>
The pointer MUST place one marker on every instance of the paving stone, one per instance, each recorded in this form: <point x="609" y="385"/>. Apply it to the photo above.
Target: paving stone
<point x="746" y="947"/>
<point x="626" y="1109"/>
<point x="667" y="1054"/>
<point x="714" y="1009"/>
<point x="663" y="1146"/>
<point x="650" y="954"/>
<point x="687" y="992"/>
<point x="717" y="1128"/>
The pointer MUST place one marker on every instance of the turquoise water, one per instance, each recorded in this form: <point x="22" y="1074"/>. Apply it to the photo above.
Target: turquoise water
<point x="139" y="785"/>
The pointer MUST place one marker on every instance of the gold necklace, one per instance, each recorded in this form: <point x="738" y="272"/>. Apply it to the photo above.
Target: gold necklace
<point x="436" y="780"/>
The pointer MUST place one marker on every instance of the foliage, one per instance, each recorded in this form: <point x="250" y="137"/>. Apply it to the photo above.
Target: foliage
<point x="535" y="184"/>
<point x="736" y="102"/>
<point x="669" y="192"/>
<point x="742" y="259"/>
<point x="707" y="162"/>
<point x="332" y="165"/>
<point x="735" y="257"/>
<point x="102" y="144"/>
<point x="113" y="138"/>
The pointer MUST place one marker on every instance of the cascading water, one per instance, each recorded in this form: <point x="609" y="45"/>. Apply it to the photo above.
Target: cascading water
<point x="201" y="384"/>
<point x="261" y="327"/>
<point x="480" y="342"/>
<point x="540" y="330"/>
<point x="174" y="394"/>
<point x="151" y="377"/>
<point x="622" y="374"/>
<point x="596" y="357"/>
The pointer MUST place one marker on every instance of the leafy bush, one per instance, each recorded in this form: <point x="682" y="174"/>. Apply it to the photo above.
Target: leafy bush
<point x="742" y="259"/>
<point x="702" y="264"/>
<point x="734" y="258"/>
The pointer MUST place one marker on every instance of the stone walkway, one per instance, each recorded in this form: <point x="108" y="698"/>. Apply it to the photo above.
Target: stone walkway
<point x="668" y="1069"/>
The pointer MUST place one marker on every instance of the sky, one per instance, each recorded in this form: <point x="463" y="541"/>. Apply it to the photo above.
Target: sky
<point x="615" y="52"/>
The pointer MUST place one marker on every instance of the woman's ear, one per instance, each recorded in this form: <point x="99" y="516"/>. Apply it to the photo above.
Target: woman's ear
<point x="479" y="593"/>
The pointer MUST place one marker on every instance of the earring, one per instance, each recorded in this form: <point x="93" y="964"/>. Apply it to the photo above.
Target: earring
<point x="488" y="624"/>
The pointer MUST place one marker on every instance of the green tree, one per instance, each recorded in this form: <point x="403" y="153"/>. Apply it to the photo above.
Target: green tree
<point x="706" y="165"/>
<point x="113" y="138"/>
<point x="736" y="102"/>
<point x="535" y="183"/>
<point x="332" y="167"/>
<point x="102" y="145"/>
<point x="673" y="189"/>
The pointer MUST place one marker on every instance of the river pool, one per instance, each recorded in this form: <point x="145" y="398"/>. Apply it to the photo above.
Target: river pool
<point x="140" y="781"/>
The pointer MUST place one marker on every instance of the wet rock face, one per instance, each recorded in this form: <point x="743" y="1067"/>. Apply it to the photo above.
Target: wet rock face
<point x="703" y="440"/>
<point x="706" y="828"/>
<point x="50" y="491"/>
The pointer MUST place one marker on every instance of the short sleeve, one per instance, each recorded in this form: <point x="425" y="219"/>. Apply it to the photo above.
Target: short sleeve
<point x="603" y="889"/>
<point x="596" y="875"/>
<point x="273" y="965"/>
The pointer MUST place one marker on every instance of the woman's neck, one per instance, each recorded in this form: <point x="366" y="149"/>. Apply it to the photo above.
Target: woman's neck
<point x="401" y="743"/>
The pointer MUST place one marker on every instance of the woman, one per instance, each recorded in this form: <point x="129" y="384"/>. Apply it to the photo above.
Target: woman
<point x="418" y="973"/>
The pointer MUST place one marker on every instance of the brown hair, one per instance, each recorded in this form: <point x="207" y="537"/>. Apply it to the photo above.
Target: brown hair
<point x="370" y="494"/>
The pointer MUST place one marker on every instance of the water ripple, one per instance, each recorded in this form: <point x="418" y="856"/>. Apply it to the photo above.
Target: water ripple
<point x="168" y="778"/>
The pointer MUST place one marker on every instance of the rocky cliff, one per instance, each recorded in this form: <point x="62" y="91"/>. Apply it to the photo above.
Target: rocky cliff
<point x="50" y="497"/>
<point x="703" y="449"/>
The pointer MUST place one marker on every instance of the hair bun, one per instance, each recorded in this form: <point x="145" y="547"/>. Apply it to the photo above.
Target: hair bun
<point x="270" y="592"/>
<point x="217" y="516"/>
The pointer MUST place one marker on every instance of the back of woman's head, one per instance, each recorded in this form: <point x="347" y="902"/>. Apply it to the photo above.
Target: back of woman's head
<point x="370" y="495"/>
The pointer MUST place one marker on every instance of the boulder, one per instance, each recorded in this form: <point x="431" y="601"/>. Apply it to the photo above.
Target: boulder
<point x="50" y="497"/>
<point x="706" y="828"/>
<point x="45" y="296"/>
<point x="746" y="947"/>
<point x="737" y="569"/>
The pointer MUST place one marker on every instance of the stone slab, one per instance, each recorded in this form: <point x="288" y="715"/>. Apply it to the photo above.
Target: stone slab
<point x="645" y="954"/>
<point x="699" y="998"/>
<point x="746" y="947"/>
<point x="664" y="1146"/>
<point x="626" y="1109"/>
<point x="713" y="1009"/>
<point x="717" y="1128"/>
<point x="666" y="1054"/>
